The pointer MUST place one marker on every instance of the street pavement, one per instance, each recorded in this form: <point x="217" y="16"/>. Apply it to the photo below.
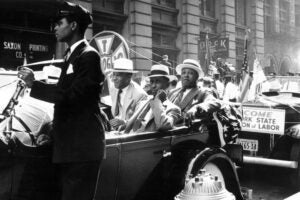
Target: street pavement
<point x="267" y="183"/>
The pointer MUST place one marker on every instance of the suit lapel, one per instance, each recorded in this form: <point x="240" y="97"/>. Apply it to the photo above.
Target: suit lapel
<point x="174" y="94"/>
<point x="114" y="96"/>
<point x="188" y="98"/>
<point x="128" y="99"/>
<point x="77" y="51"/>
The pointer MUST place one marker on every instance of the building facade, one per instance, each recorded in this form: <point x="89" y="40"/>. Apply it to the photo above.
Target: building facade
<point x="198" y="29"/>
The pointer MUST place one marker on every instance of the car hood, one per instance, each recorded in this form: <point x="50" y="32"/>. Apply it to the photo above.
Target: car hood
<point x="277" y="100"/>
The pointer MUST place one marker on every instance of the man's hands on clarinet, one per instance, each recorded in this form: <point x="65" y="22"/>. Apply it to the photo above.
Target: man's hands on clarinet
<point x="26" y="75"/>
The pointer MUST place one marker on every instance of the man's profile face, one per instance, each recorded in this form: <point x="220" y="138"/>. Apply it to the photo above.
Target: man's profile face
<point x="159" y="83"/>
<point x="63" y="30"/>
<point x="121" y="79"/>
<point x="189" y="77"/>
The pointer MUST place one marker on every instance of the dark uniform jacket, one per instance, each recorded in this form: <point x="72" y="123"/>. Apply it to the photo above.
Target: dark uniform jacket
<point x="78" y="131"/>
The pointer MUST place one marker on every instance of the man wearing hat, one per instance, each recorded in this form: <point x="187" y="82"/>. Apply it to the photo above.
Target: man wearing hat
<point x="165" y="61"/>
<point x="189" y="94"/>
<point x="157" y="112"/>
<point x="125" y="94"/>
<point x="78" y="133"/>
<point x="219" y="84"/>
<point x="231" y="90"/>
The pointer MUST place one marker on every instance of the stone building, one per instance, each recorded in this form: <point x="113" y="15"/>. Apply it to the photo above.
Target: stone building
<point x="154" y="28"/>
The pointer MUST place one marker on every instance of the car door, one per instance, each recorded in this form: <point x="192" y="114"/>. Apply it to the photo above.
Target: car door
<point x="139" y="156"/>
<point x="109" y="172"/>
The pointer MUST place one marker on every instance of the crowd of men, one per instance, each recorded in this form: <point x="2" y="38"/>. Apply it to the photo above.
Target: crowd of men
<point x="165" y="100"/>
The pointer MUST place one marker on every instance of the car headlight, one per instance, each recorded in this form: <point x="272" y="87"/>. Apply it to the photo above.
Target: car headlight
<point x="293" y="131"/>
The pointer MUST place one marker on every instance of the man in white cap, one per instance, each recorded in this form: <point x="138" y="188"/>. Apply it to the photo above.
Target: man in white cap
<point x="126" y="94"/>
<point x="157" y="112"/>
<point x="189" y="94"/>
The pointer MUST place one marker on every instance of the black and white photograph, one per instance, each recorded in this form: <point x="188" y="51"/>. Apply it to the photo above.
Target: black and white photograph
<point x="149" y="99"/>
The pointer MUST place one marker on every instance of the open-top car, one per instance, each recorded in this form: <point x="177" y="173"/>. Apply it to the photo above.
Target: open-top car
<point x="270" y="127"/>
<point x="150" y="165"/>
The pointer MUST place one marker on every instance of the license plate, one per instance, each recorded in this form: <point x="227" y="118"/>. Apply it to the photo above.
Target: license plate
<point x="248" y="145"/>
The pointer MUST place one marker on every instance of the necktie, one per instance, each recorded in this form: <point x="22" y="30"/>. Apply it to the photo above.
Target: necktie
<point x="118" y="103"/>
<point x="138" y="123"/>
<point x="179" y="97"/>
<point x="67" y="54"/>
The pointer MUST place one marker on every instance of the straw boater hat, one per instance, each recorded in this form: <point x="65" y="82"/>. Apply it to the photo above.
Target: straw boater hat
<point x="159" y="70"/>
<point x="123" y="65"/>
<point x="191" y="64"/>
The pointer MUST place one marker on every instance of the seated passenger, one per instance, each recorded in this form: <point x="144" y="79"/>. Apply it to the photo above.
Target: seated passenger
<point x="156" y="113"/>
<point x="189" y="94"/>
<point x="125" y="95"/>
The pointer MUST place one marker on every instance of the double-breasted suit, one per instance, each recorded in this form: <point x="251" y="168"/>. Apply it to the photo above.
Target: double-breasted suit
<point x="133" y="96"/>
<point x="78" y="132"/>
<point x="196" y="96"/>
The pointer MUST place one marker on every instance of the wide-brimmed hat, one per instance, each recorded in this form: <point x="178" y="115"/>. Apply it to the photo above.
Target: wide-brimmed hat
<point x="123" y="65"/>
<point x="191" y="64"/>
<point x="159" y="70"/>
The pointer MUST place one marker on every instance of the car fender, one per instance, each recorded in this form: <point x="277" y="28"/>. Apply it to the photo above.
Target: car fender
<point x="218" y="157"/>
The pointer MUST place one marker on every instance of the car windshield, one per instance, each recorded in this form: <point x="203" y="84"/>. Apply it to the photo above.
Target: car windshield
<point x="281" y="84"/>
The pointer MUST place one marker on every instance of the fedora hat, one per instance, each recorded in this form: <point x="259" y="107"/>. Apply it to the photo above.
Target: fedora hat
<point x="123" y="65"/>
<point x="191" y="64"/>
<point x="159" y="70"/>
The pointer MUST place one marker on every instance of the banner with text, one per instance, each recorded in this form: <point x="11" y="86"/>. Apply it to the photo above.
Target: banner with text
<point x="263" y="120"/>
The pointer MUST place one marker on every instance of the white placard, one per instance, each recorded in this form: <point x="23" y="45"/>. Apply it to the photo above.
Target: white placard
<point x="263" y="120"/>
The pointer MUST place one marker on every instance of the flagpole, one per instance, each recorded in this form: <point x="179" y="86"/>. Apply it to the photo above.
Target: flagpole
<point x="244" y="79"/>
<point x="207" y="54"/>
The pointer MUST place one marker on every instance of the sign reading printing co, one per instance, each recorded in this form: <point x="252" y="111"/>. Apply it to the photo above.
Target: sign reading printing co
<point x="263" y="120"/>
<point x="111" y="46"/>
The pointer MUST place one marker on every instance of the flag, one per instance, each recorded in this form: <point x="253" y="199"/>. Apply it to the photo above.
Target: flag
<point x="244" y="86"/>
<point x="245" y="80"/>
<point x="258" y="77"/>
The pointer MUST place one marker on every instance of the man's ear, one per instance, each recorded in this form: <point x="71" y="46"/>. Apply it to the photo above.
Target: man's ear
<point x="74" y="25"/>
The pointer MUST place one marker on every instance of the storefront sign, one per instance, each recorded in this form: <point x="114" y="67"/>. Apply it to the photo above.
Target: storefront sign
<point x="218" y="47"/>
<point x="111" y="47"/>
<point x="263" y="120"/>
<point x="15" y="45"/>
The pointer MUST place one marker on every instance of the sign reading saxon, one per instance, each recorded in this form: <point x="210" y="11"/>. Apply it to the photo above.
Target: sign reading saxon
<point x="111" y="46"/>
<point x="263" y="120"/>
<point x="218" y="47"/>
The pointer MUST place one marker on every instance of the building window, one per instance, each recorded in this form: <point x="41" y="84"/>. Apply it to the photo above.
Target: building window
<point x="267" y="16"/>
<point x="164" y="30"/>
<point x="284" y="16"/>
<point x="164" y="17"/>
<point x="166" y="3"/>
<point x="297" y="15"/>
<point x="207" y="8"/>
<point x="240" y="12"/>
<point x="111" y="5"/>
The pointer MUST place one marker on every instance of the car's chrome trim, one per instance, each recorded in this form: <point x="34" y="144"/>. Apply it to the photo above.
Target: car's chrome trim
<point x="270" y="162"/>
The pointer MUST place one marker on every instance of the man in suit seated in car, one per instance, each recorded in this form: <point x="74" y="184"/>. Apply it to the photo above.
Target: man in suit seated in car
<point x="125" y="94"/>
<point x="189" y="94"/>
<point x="157" y="112"/>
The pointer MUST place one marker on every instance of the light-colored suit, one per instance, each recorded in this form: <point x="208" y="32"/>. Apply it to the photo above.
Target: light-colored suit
<point x="156" y="115"/>
<point x="134" y="95"/>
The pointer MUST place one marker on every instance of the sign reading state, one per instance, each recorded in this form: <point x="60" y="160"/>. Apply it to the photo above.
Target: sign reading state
<point x="263" y="120"/>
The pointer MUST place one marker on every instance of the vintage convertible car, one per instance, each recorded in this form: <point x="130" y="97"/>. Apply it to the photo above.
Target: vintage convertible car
<point x="152" y="165"/>
<point x="270" y="126"/>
